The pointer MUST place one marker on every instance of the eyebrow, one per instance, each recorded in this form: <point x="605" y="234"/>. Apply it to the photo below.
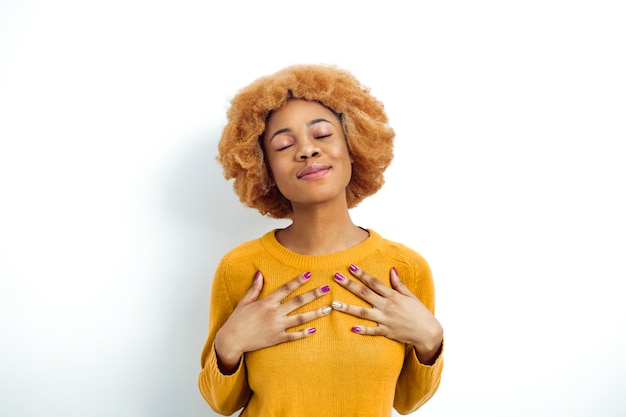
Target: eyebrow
<point x="309" y="124"/>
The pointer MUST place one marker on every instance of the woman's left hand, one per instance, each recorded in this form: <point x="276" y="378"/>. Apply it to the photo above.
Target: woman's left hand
<point x="400" y="315"/>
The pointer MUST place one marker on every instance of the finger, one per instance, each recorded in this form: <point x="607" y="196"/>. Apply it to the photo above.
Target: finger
<point x="368" y="330"/>
<point x="300" y="334"/>
<point x="357" y="289"/>
<point x="398" y="285"/>
<point x="302" y="299"/>
<point x="287" y="288"/>
<point x="303" y="318"/>
<point x="357" y="311"/>
<point x="372" y="282"/>
<point x="255" y="289"/>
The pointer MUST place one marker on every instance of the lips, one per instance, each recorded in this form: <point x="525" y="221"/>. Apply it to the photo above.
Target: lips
<point x="313" y="172"/>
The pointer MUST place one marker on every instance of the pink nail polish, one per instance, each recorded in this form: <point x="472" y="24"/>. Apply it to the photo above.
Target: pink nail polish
<point x="395" y="271"/>
<point x="311" y="330"/>
<point x="356" y="329"/>
<point x="307" y="275"/>
<point x="353" y="268"/>
<point x="325" y="288"/>
<point x="339" y="277"/>
<point x="257" y="275"/>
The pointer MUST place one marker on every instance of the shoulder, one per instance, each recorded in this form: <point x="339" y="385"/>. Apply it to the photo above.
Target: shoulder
<point x="242" y="251"/>
<point x="241" y="260"/>
<point x="402" y="253"/>
<point x="236" y="269"/>
<point x="412" y="267"/>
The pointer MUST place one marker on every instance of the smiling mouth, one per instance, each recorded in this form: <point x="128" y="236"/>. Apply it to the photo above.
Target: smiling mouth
<point x="313" y="172"/>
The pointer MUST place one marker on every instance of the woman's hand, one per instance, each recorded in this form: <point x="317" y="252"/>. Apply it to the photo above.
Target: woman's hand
<point x="256" y="324"/>
<point x="399" y="313"/>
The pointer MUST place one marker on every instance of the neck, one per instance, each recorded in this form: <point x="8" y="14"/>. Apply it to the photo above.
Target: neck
<point x="321" y="231"/>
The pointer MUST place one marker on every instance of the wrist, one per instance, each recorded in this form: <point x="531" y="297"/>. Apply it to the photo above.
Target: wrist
<point x="428" y="349"/>
<point x="427" y="357"/>
<point x="228" y="356"/>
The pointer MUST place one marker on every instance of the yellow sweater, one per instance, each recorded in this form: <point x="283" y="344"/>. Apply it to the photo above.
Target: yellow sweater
<point x="334" y="372"/>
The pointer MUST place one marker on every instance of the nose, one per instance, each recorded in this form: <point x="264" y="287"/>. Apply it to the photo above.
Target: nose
<point x="308" y="150"/>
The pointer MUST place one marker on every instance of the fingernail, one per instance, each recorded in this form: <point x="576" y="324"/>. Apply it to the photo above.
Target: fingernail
<point x="307" y="275"/>
<point x="356" y="329"/>
<point x="353" y="268"/>
<point x="311" y="330"/>
<point x="339" y="277"/>
<point x="326" y="310"/>
<point x="395" y="271"/>
<point x="336" y="304"/>
<point x="325" y="288"/>
<point x="257" y="275"/>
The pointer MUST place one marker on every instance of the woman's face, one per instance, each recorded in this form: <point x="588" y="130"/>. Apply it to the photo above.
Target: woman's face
<point x="307" y="153"/>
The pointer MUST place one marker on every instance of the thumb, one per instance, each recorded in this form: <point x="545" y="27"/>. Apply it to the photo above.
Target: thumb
<point x="255" y="289"/>
<point x="397" y="284"/>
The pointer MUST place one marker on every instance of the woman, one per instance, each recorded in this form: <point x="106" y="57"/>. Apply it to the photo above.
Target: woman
<point x="321" y="318"/>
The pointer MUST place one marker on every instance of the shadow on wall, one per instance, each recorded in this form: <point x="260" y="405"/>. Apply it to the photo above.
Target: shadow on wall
<point x="202" y="200"/>
<point x="208" y="220"/>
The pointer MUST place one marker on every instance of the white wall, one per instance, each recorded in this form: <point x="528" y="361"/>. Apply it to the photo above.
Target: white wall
<point x="509" y="179"/>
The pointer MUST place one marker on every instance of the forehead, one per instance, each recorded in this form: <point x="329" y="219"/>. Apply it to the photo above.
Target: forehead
<point x="297" y="110"/>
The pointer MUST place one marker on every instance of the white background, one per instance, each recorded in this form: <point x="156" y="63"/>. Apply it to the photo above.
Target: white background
<point x="509" y="178"/>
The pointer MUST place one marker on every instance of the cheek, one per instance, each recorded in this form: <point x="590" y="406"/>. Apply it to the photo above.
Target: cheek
<point x="272" y="163"/>
<point x="342" y="154"/>
<point x="349" y="170"/>
<point x="349" y="162"/>
<point x="276" y="170"/>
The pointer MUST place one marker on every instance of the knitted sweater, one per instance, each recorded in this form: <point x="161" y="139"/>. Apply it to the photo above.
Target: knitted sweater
<point x="334" y="372"/>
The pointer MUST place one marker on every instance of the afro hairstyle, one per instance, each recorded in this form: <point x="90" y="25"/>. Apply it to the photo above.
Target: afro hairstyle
<point x="368" y="134"/>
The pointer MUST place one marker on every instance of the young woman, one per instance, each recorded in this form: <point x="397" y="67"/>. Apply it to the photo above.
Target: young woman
<point x="323" y="317"/>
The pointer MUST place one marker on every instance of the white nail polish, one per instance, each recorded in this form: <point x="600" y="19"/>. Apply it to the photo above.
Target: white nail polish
<point x="337" y="304"/>
<point x="326" y="310"/>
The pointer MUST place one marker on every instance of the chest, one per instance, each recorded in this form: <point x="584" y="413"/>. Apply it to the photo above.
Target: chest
<point x="334" y="354"/>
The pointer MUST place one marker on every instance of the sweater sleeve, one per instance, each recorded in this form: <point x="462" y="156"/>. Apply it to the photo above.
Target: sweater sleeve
<point x="224" y="393"/>
<point x="417" y="382"/>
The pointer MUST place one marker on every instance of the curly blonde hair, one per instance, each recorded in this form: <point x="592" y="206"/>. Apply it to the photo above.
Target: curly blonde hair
<point x="364" y="121"/>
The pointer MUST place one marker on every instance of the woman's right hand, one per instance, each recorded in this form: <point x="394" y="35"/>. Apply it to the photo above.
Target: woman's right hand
<point x="257" y="324"/>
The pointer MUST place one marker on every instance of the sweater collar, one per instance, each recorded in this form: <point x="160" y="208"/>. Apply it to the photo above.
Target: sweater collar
<point x="349" y="256"/>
